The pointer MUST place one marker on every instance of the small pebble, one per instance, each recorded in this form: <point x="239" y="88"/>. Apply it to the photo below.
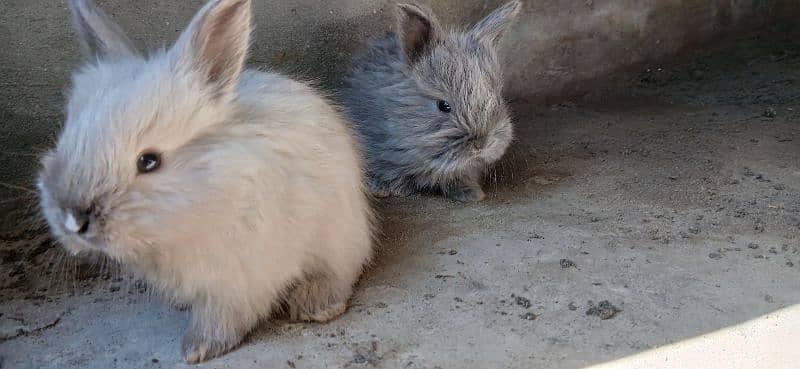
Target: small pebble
<point x="528" y="316"/>
<point x="604" y="310"/>
<point x="715" y="256"/>
<point x="521" y="301"/>
<point x="360" y="359"/>
<point x="770" y="112"/>
<point x="566" y="263"/>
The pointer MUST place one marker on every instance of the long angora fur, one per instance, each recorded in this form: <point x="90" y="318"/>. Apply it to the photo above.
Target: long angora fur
<point x="427" y="104"/>
<point x="258" y="200"/>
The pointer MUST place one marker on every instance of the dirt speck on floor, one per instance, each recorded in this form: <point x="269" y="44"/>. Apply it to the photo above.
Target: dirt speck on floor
<point x="521" y="301"/>
<point x="604" y="310"/>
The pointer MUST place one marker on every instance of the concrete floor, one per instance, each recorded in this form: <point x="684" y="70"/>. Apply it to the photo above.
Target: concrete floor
<point x="766" y="342"/>
<point x="666" y="202"/>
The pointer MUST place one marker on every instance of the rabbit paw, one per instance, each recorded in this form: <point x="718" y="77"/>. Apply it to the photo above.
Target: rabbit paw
<point x="197" y="349"/>
<point x="319" y="300"/>
<point x="466" y="192"/>
<point x="200" y="345"/>
<point x="323" y="315"/>
<point x="383" y="191"/>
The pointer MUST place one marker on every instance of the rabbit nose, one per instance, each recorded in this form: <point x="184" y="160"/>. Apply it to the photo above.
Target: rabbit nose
<point x="77" y="221"/>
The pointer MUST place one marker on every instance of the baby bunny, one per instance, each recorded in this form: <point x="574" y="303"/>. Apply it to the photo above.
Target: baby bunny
<point x="427" y="105"/>
<point x="229" y="190"/>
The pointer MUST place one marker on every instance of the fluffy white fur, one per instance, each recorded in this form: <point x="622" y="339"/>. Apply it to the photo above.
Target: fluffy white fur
<point x="258" y="201"/>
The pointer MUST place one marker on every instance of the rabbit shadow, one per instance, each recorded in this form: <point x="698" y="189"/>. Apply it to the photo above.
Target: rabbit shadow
<point x="540" y="158"/>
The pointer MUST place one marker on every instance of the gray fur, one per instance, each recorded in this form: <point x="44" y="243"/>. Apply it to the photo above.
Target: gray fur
<point x="100" y="37"/>
<point x="391" y="94"/>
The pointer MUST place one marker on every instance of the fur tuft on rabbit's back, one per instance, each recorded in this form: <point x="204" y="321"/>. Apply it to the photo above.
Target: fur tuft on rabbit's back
<point x="232" y="191"/>
<point x="427" y="104"/>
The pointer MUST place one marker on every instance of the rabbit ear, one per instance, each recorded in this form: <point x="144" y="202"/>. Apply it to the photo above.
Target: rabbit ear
<point x="100" y="37"/>
<point x="418" y="29"/>
<point x="215" y="43"/>
<point x="495" y="25"/>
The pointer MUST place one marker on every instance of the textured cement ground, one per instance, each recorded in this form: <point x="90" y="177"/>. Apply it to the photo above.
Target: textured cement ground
<point x="661" y="207"/>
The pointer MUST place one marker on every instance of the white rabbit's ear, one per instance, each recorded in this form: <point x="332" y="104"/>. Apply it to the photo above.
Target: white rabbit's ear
<point x="215" y="43"/>
<point x="100" y="37"/>
<point x="418" y="30"/>
<point x="493" y="27"/>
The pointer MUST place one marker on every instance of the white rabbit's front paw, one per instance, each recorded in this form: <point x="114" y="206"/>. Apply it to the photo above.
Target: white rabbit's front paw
<point x="320" y="299"/>
<point x="198" y="349"/>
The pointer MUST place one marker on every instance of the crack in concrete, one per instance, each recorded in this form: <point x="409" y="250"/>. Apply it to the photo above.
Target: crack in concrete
<point x="21" y="331"/>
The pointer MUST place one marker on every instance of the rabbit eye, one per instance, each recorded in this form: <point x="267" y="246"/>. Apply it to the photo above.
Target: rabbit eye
<point x="148" y="162"/>
<point x="444" y="106"/>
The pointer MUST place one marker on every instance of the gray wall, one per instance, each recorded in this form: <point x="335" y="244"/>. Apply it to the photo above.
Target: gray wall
<point x="556" y="45"/>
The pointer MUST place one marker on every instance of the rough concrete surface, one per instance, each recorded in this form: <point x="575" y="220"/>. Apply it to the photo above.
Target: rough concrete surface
<point x="769" y="340"/>
<point x="662" y="206"/>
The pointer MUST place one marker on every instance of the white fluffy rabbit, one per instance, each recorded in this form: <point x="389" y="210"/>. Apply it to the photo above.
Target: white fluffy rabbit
<point x="230" y="190"/>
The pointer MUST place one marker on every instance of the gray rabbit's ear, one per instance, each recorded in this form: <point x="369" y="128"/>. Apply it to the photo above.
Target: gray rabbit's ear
<point x="493" y="27"/>
<point x="100" y="37"/>
<point x="418" y="30"/>
<point x="215" y="43"/>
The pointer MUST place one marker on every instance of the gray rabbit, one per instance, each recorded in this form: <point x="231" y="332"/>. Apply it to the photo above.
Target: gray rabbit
<point x="427" y="104"/>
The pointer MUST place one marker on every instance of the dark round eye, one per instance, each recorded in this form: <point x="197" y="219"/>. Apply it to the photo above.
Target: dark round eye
<point x="444" y="106"/>
<point x="148" y="162"/>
